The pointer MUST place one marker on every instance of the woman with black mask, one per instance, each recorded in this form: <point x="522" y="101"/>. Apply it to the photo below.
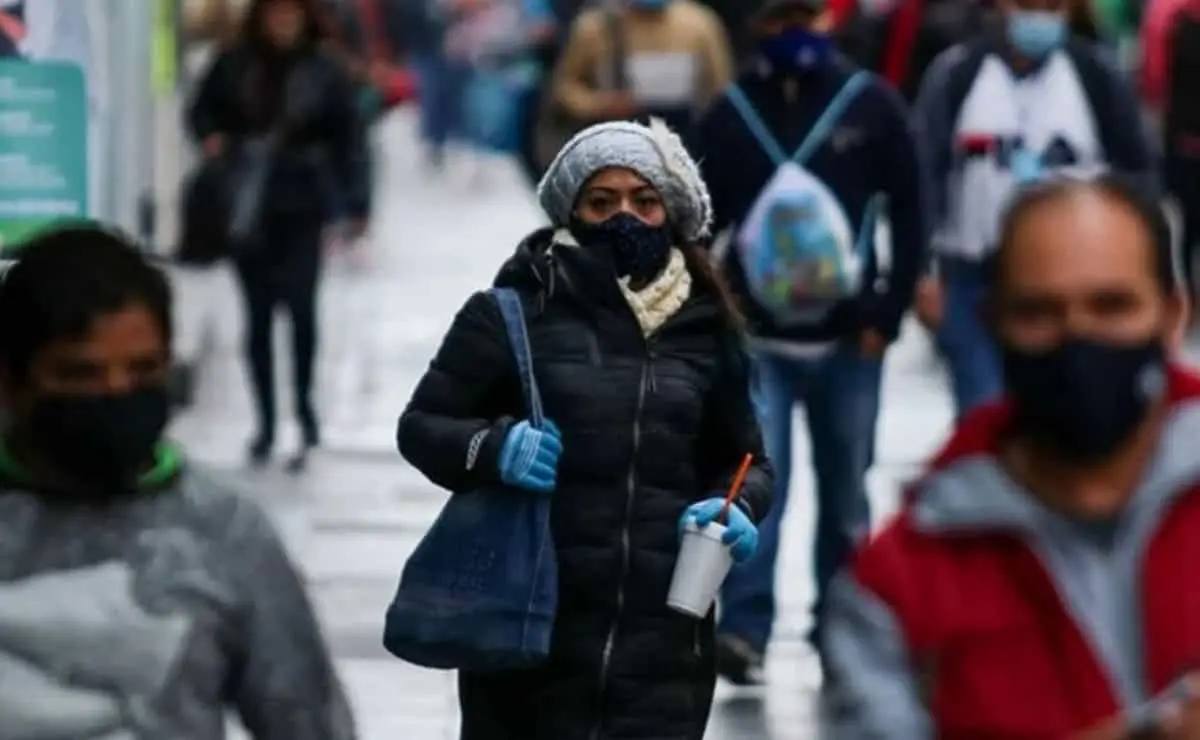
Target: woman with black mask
<point x="138" y="597"/>
<point x="274" y="104"/>
<point x="638" y="356"/>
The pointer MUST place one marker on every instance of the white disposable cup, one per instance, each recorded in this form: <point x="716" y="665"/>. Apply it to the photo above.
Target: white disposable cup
<point x="703" y="563"/>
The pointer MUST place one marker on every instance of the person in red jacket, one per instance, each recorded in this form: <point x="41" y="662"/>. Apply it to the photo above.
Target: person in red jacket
<point x="1039" y="582"/>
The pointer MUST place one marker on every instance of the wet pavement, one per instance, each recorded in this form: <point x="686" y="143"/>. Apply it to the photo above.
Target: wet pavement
<point x="354" y="517"/>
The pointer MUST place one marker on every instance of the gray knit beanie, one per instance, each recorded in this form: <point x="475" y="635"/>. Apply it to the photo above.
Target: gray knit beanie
<point x="654" y="152"/>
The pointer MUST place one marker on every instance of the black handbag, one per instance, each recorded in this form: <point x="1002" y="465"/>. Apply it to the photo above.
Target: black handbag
<point x="203" y="234"/>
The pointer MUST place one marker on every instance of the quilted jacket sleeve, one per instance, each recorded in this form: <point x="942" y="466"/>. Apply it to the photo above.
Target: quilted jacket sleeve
<point x="445" y="431"/>
<point x="731" y="430"/>
<point x="211" y="110"/>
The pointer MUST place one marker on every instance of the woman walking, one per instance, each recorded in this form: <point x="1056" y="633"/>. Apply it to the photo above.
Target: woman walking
<point x="277" y="99"/>
<point x="637" y="352"/>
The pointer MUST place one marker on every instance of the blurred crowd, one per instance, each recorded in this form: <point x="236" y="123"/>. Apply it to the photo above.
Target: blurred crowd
<point x="743" y="201"/>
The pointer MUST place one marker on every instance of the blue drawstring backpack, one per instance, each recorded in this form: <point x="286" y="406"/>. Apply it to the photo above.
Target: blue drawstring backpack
<point x="481" y="590"/>
<point x="800" y="254"/>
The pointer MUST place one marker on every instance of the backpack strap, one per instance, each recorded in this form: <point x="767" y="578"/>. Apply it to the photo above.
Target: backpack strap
<point x="755" y="123"/>
<point x="865" y="242"/>
<point x="820" y="130"/>
<point x="962" y="78"/>
<point x="1096" y="81"/>
<point x="509" y="303"/>
<point x="837" y="108"/>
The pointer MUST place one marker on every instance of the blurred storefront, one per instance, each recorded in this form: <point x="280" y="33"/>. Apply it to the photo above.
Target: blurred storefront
<point x="138" y="60"/>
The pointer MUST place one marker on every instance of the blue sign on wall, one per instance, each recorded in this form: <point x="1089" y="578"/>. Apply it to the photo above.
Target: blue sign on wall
<point x="43" y="146"/>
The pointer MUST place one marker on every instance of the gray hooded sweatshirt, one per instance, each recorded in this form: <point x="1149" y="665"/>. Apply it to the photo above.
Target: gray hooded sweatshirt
<point x="148" y="617"/>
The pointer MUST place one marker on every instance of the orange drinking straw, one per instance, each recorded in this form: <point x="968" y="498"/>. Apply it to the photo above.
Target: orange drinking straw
<point x="736" y="486"/>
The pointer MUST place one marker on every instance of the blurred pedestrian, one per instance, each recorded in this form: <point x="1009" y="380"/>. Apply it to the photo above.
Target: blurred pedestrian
<point x="1037" y="581"/>
<point x="1158" y="28"/>
<point x="138" y="597"/>
<point x="802" y="155"/>
<point x="1176" y="31"/>
<point x="900" y="38"/>
<point x="1025" y="104"/>
<point x="12" y="28"/>
<point x="283" y="117"/>
<point x="672" y="58"/>
<point x="637" y="352"/>
<point x="498" y="40"/>
<point x="442" y="79"/>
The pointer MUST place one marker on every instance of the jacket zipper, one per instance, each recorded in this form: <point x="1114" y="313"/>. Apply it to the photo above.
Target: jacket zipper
<point x="644" y="385"/>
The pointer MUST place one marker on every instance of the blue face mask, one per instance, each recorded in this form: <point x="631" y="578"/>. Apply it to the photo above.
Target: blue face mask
<point x="797" y="49"/>
<point x="1035" y="34"/>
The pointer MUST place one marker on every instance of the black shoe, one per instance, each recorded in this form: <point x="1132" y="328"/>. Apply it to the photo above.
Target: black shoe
<point x="260" y="450"/>
<point x="738" y="662"/>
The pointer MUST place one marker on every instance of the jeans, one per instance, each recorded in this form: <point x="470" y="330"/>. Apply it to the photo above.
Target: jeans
<point x="443" y="83"/>
<point x="964" y="340"/>
<point x="840" y="394"/>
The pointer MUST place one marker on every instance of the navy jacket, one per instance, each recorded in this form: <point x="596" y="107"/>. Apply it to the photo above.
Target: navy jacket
<point x="872" y="150"/>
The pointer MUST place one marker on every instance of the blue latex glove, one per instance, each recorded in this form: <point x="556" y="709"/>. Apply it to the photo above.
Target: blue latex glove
<point x="529" y="457"/>
<point x="740" y="533"/>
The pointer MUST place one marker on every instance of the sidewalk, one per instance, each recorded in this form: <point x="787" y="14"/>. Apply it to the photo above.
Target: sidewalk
<point x="352" y="520"/>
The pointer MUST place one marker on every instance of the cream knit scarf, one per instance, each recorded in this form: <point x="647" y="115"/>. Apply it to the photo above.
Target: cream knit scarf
<point x="657" y="301"/>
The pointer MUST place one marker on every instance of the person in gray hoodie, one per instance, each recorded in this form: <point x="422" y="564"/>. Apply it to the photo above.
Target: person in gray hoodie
<point x="138" y="597"/>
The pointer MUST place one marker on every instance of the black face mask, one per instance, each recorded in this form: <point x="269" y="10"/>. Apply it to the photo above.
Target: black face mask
<point x="101" y="441"/>
<point x="636" y="249"/>
<point x="1084" y="398"/>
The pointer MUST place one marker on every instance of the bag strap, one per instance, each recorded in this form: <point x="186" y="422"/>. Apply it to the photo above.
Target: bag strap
<point x="816" y="136"/>
<point x="518" y="339"/>
<point x="865" y="242"/>
<point x="754" y="122"/>
<point x="837" y="108"/>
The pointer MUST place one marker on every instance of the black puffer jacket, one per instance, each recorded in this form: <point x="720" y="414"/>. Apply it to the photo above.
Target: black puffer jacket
<point x="649" y="426"/>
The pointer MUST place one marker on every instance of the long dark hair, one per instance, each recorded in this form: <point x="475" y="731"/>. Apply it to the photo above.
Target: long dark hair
<point x="266" y="78"/>
<point x="317" y="25"/>
<point x="700" y="265"/>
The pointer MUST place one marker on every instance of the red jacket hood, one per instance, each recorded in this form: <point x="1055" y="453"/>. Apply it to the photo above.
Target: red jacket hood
<point x="982" y="431"/>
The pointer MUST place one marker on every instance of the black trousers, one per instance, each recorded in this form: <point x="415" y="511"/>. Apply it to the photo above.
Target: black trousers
<point x="495" y="708"/>
<point x="283" y="275"/>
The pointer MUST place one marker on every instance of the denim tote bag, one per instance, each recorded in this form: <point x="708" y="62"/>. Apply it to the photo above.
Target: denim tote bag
<point x="480" y="591"/>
